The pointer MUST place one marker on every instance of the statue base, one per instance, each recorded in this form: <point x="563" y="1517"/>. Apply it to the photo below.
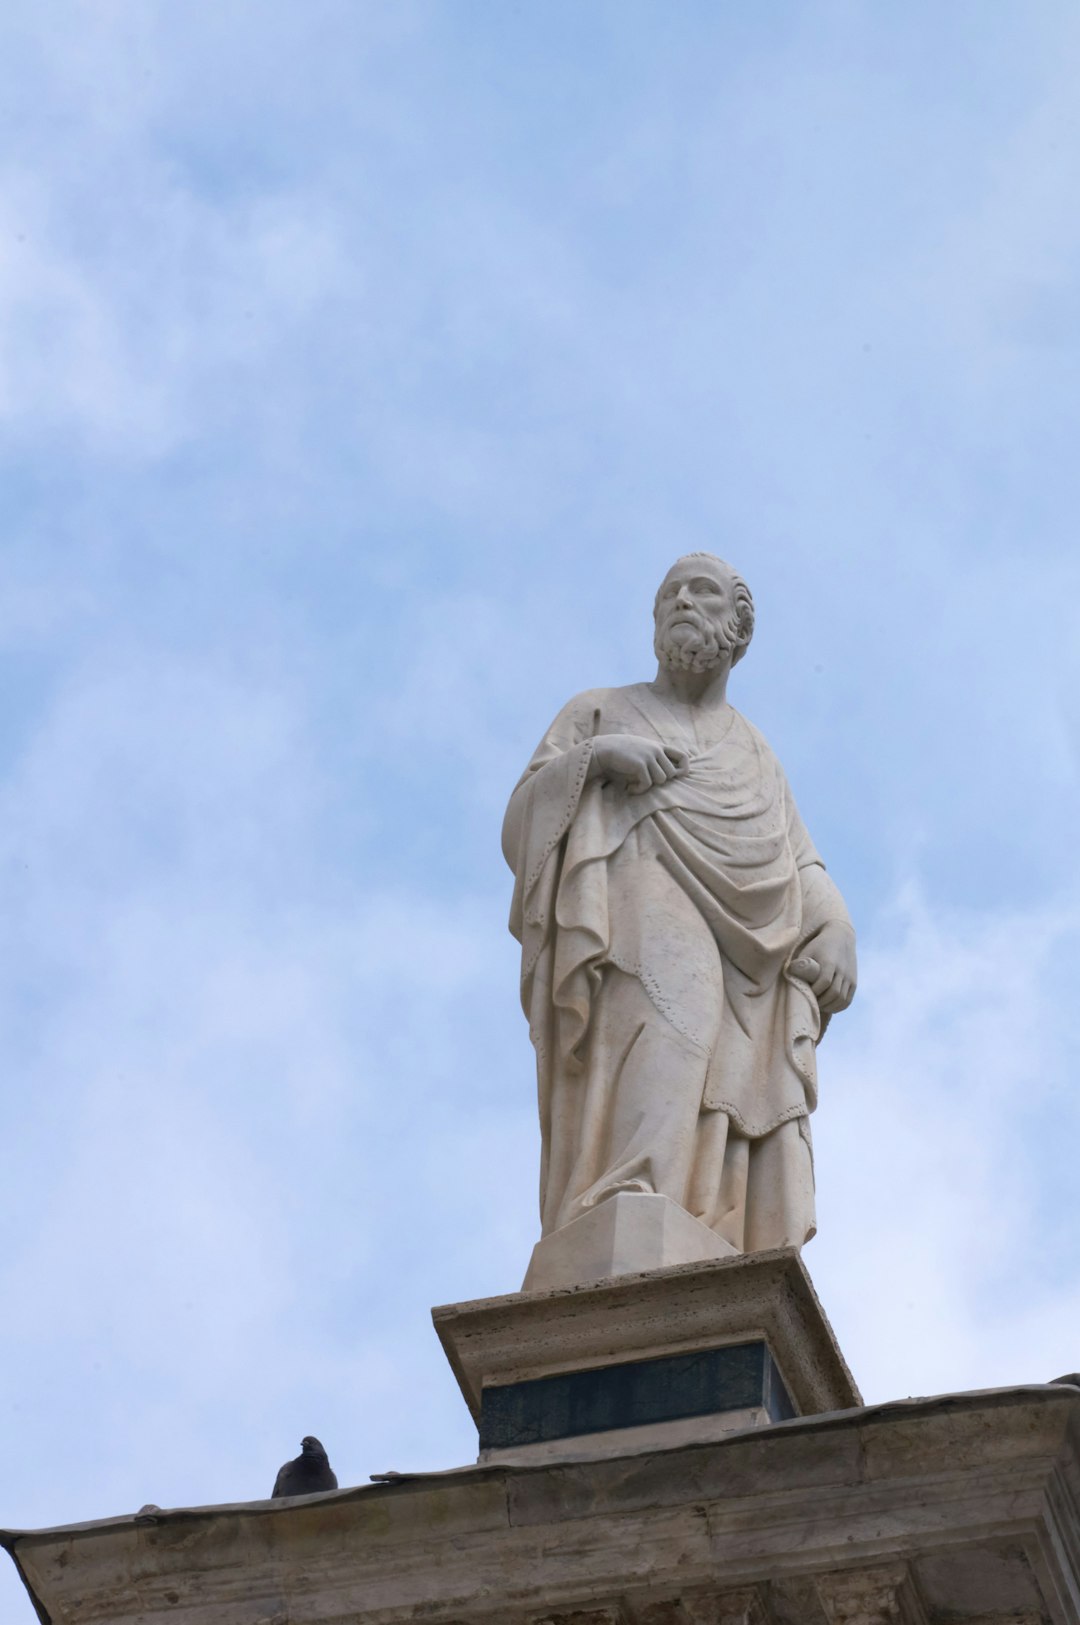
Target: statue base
<point x="645" y="1361"/>
<point x="623" y="1235"/>
<point x="689" y="1500"/>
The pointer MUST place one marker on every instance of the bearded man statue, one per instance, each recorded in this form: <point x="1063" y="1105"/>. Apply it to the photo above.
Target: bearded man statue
<point x="682" y="948"/>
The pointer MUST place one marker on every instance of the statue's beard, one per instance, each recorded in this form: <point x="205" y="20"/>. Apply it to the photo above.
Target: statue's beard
<point x="695" y="644"/>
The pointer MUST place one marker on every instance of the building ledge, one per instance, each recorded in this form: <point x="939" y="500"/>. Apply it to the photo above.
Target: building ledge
<point x="976" y="1494"/>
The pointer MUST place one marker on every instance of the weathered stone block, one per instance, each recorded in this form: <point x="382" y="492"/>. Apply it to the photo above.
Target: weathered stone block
<point x="501" y="1349"/>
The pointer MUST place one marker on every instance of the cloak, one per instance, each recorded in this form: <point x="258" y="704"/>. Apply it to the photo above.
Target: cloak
<point x="669" y="919"/>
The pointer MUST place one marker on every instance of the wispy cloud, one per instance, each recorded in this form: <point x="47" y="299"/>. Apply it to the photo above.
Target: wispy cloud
<point x="360" y="372"/>
<point x="945" y="1159"/>
<point x="129" y="350"/>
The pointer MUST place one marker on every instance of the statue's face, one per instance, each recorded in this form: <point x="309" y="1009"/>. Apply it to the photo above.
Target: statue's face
<point x="697" y="620"/>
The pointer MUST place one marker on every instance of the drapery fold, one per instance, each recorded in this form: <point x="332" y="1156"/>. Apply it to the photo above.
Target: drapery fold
<point x="703" y="889"/>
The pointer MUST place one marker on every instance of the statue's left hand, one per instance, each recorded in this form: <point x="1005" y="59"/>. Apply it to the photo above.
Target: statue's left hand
<point x="834" y="949"/>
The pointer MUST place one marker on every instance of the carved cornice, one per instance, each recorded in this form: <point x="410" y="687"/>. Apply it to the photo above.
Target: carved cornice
<point x="613" y="1615"/>
<point x="883" y="1595"/>
<point x="742" y="1607"/>
<point x="733" y="1608"/>
<point x="706" y="1534"/>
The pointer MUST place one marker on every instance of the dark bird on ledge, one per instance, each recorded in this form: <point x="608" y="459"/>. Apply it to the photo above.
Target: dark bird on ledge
<point x="308" y="1474"/>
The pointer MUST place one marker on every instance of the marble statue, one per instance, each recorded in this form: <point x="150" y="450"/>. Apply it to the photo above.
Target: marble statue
<point x="683" y="947"/>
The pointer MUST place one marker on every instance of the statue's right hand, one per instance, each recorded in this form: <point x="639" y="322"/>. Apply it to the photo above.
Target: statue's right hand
<point x="634" y="762"/>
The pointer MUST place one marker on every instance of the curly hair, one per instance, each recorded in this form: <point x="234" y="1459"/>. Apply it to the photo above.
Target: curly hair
<point x="744" y="603"/>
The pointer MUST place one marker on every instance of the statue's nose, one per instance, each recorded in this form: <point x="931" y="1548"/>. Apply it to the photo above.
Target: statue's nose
<point x="684" y="597"/>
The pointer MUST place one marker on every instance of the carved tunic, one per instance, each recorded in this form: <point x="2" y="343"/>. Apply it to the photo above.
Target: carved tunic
<point x="657" y="932"/>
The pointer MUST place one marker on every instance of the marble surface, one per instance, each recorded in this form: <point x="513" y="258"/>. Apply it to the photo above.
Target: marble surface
<point x="628" y="1233"/>
<point x="524" y="1336"/>
<point x="683" y="946"/>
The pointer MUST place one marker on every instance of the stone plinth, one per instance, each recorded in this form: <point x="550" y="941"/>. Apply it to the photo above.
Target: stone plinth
<point x="625" y="1235"/>
<point x="963" y="1510"/>
<point x="644" y="1361"/>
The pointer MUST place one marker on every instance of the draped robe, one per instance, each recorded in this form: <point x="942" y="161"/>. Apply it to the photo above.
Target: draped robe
<point x="675" y="1050"/>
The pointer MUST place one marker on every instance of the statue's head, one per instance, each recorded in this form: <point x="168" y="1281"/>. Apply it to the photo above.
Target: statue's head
<point x="704" y="614"/>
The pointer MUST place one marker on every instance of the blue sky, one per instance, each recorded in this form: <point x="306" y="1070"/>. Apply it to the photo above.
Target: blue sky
<point x="362" y="368"/>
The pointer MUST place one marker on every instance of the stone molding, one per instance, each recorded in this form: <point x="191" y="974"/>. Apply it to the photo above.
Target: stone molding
<point x="969" y="1502"/>
<point x="732" y="1608"/>
<point x="876" y="1596"/>
<point x="684" y="1309"/>
<point x="584" y="1616"/>
<point x="735" y="1608"/>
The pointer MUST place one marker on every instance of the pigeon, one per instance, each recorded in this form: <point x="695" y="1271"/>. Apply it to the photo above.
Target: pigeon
<point x="1071" y="1379"/>
<point x="308" y="1474"/>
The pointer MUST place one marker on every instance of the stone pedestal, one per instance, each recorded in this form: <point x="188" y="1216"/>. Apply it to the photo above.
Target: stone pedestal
<point x="647" y="1360"/>
<point x="685" y="1447"/>
<point x="625" y="1235"/>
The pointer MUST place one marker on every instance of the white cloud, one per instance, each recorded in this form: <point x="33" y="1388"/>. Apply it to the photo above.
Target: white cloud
<point x="128" y="347"/>
<point x="945" y="1151"/>
<point x="252" y="1135"/>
